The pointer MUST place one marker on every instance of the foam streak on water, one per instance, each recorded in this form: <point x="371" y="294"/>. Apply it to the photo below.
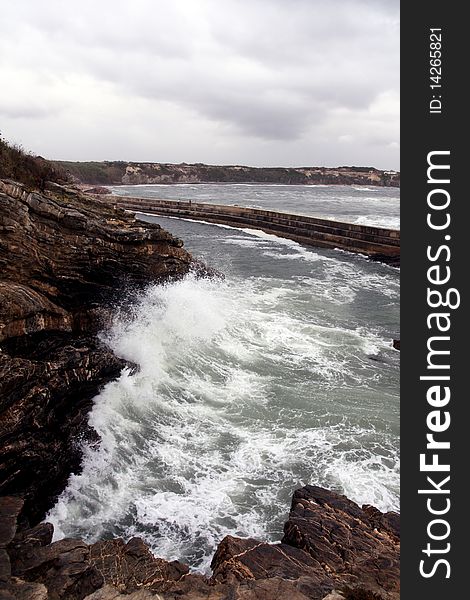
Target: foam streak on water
<point x="280" y="375"/>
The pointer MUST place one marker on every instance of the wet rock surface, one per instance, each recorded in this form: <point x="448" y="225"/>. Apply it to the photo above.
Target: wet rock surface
<point x="112" y="173"/>
<point x="332" y="549"/>
<point x="64" y="257"/>
<point x="99" y="190"/>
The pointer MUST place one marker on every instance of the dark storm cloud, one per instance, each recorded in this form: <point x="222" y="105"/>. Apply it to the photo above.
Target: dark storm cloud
<point x="245" y="70"/>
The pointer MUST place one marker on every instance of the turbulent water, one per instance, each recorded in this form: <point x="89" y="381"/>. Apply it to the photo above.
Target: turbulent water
<point x="282" y="374"/>
<point x="379" y="206"/>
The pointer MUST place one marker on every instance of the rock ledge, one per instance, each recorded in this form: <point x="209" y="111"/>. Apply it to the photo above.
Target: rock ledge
<point x="332" y="549"/>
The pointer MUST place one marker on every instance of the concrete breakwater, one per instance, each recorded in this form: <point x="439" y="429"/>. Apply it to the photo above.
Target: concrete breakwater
<point x="378" y="243"/>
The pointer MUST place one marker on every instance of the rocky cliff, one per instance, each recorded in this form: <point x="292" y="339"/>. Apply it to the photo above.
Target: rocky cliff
<point x="109" y="173"/>
<point x="63" y="256"/>
<point x="331" y="550"/>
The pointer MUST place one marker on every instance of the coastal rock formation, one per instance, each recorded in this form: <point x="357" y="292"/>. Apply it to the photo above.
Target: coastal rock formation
<point x="332" y="549"/>
<point x="329" y="543"/>
<point x="63" y="255"/>
<point x="97" y="191"/>
<point x="119" y="172"/>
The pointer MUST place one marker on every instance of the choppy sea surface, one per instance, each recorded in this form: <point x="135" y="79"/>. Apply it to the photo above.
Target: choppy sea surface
<point x="279" y="375"/>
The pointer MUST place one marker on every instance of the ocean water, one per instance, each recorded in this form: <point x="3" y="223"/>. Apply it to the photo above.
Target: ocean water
<point x="376" y="206"/>
<point x="280" y="375"/>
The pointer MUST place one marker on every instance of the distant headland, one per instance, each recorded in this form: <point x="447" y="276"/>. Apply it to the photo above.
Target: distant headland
<point x="133" y="173"/>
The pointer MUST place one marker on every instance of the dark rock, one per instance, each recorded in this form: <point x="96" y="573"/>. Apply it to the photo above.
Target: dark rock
<point x="5" y="567"/>
<point x="63" y="255"/>
<point x="38" y="536"/>
<point x="331" y="549"/>
<point x="62" y="567"/>
<point x="10" y="508"/>
<point x="99" y="191"/>
<point x="353" y="544"/>
<point x="389" y="522"/>
<point x="251" y="559"/>
<point x="119" y="172"/>
<point x="26" y="543"/>
<point x="201" y="270"/>
<point x="392" y="261"/>
<point x="329" y="543"/>
<point x="396" y="344"/>
<point x="73" y="569"/>
<point x="25" y="590"/>
<point x="45" y="406"/>
<point x="131" y="566"/>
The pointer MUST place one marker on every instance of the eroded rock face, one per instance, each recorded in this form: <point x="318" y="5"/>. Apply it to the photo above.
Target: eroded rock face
<point x="99" y="190"/>
<point x="332" y="550"/>
<point x="329" y="543"/>
<point x="112" y="173"/>
<point x="10" y="508"/>
<point x="73" y="569"/>
<point x="353" y="545"/>
<point x="62" y="250"/>
<point x="64" y="258"/>
<point x="33" y="567"/>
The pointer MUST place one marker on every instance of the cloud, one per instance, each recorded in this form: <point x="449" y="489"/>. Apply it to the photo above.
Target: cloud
<point x="244" y="74"/>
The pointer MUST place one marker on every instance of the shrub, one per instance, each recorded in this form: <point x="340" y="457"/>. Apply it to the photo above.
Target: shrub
<point x="24" y="167"/>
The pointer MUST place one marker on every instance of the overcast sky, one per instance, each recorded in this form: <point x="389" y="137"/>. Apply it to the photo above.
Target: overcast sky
<point x="259" y="82"/>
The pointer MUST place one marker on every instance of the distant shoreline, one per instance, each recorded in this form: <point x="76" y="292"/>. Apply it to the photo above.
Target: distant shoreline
<point x="133" y="173"/>
<point x="260" y="183"/>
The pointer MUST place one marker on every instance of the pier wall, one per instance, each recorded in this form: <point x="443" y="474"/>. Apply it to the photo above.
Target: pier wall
<point x="376" y="242"/>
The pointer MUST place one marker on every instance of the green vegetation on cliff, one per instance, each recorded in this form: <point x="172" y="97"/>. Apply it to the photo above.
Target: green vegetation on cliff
<point x="34" y="171"/>
<point x="101" y="173"/>
<point x="24" y="167"/>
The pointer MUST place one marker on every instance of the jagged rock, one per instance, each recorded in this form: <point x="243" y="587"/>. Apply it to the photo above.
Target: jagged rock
<point x="329" y="543"/>
<point x="25" y="590"/>
<point x="242" y="559"/>
<point x="354" y="545"/>
<point x="71" y="252"/>
<point x="63" y="255"/>
<point x="109" y="592"/>
<point x="45" y="405"/>
<point x="132" y="565"/>
<point x="26" y="543"/>
<point x="72" y="569"/>
<point x="38" y="536"/>
<point x="332" y="550"/>
<point x="99" y="190"/>
<point x="389" y="522"/>
<point x="120" y="172"/>
<point x="334" y="595"/>
<point x="10" y="508"/>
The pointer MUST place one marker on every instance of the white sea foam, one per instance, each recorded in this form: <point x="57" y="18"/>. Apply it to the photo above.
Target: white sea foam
<point x="230" y="412"/>
<point x="376" y="221"/>
<point x="363" y="188"/>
